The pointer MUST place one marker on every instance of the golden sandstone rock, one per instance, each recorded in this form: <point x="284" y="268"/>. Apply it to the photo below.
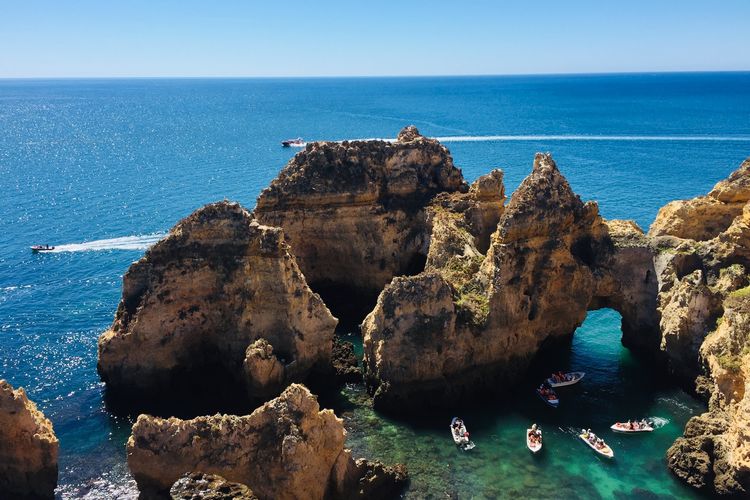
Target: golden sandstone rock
<point x="287" y="449"/>
<point x="469" y="290"/>
<point x="28" y="447"/>
<point x="705" y="217"/>
<point x="354" y="212"/>
<point x="200" y="300"/>
<point x="471" y="322"/>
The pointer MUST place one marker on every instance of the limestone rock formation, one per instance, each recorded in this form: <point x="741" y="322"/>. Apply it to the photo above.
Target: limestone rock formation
<point x="714" y="454"/>
<point x="472" y="321"/>
<point x="200" y="486"/>
<point x="220" y="294"/>
<point x="28" y="447"/>
<point x="287" y="449"/>
<point x="705" y="217"/>
<point x="354" y="211"/>
<point x="703" y="253"/>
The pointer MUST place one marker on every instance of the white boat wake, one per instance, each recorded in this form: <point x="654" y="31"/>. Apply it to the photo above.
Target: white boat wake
<point x="488" y="138"/>
<point x="139" y="242"/>
<point x="658" y="422"/>
<point x="581" y="137"/>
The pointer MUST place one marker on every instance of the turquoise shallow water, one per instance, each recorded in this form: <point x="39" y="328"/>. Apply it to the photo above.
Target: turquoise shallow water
<point x="616" y="387"/>
<point x="106" y="166"/>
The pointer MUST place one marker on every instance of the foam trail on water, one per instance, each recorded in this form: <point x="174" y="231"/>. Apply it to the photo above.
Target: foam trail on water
<point x="658" y="422"/>
<point x="632" y="138"/>
<point x="488" y="138"/>
<point x="139" y="242"/>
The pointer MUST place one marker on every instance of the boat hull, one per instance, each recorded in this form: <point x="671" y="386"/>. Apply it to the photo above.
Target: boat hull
<point x="577" y="378"/>
<point x="605" y="452"/>
<point x="554" y="403"/>
<point x="625" y="430"/>
<point x="533" y="447"/>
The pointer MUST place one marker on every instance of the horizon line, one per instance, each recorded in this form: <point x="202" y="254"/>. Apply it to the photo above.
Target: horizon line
<point x="321" y="77"/>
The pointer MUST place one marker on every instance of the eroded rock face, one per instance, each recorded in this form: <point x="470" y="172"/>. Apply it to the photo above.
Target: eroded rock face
<point x="705" y="217"/>
<point x="220" y="293"/>
<point x="354" y="211"/>
<point x="287" y="449"/>
<point x="714" y="454"/>
<point x="472" y="322"/>
<point x="703" y="299"/>
<point x="28" y="447"/>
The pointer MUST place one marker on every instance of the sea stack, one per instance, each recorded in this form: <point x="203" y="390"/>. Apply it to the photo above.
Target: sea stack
<point x="28" y="448"/>
<point x="220" y="294"/>
<point x="287" y="449"/>
<point x="473" y="319"/>
<point x="354" y="211"/>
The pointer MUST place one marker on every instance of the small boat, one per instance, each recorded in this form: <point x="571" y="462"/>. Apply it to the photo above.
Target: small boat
<point x="626" y="428"/>
<point x="536" y="445"/>
<point x="604" y="450"/>
<point x="41" y="248"/>
<point x="298" y="142"/>
<point x="550" y="397"/>
<point x="570" y="379"/>
<point x="460" y="435"/>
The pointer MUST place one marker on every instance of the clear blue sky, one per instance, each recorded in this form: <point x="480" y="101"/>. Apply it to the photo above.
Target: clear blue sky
<point x="59" y="38"/>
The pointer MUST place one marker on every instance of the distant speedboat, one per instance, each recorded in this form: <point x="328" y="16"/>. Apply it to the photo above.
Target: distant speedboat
<point x="42" y="248"/>
<point x="298" y="143"/>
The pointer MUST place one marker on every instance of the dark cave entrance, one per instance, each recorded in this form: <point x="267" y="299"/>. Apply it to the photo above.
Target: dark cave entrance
<point x="349" y="304"/>
<point x="619" y="381"/>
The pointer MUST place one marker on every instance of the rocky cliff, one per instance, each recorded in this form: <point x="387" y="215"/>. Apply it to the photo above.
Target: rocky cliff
<point x="287" y="449"/>
<point x="354" y="211"/>
<point x="714" y="454"/>
<point x="703" y="256"/>
<point x="28" y="447"/>
<point x="472" y="321"/>
<point x="221" y="294"/>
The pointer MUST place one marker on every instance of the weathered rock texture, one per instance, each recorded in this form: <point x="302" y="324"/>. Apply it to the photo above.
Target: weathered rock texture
<point x="200" y="486"/>
<point x="287" y="449"/>
<point x="220" y="293"/>
<point x="28" y="447"/>
<point x="472" y="321"/>
<point x="714" y="454"/>
<point x="705" y="323"/>
<point x="354" y="211"/>
<point x="706" y="217"/>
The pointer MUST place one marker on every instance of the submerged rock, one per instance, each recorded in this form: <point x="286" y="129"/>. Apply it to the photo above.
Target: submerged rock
<point x="354" y="211"/>
<point x="220" y="294"/>
<point x="287" y="449"/>
<point x="200" y="486"/>
<point x="28" y="447"/>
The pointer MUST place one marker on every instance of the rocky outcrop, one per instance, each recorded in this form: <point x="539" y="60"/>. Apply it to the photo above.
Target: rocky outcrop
<point x="28" y="447"/>
<point x="707" y="216"/>
<point x="221" y="294"/>
<point x="714" y="454"/>
<point x="705" y="319"/>
<point x="287" y="449"/>
<point x="354" y="211"/>
<point x="200" y="486"/>
<point x="472" y="322"/>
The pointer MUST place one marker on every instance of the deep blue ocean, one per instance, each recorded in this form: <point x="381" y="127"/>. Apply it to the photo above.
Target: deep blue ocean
<point x="102" y="168"/>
